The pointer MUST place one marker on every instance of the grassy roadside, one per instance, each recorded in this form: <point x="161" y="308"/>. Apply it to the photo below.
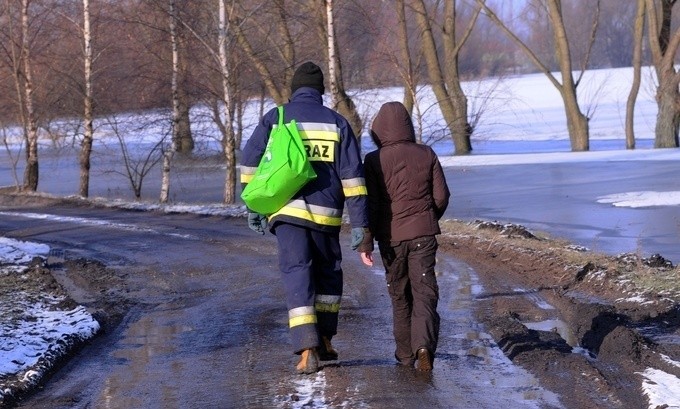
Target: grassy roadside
<point x="626" y="277"/>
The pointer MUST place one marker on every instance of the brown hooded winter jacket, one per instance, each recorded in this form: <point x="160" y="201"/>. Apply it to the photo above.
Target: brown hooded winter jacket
<point x="407" y="190"/>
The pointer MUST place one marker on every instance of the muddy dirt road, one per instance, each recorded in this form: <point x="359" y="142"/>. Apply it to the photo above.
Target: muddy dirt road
<point x="194" y="317"/>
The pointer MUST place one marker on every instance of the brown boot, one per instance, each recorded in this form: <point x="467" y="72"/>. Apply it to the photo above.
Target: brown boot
<point x="326" y="350"/>
<point x="424" y="359"/>
<point x="309" y="362"/>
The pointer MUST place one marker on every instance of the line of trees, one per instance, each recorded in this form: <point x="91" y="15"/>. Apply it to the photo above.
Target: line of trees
<point x="92" y="58"/>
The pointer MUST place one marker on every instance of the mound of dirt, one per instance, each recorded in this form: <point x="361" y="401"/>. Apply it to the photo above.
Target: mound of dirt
<point x="608" y="311"/>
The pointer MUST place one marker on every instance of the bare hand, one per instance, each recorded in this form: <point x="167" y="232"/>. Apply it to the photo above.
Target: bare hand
<point x="367" y="258"/>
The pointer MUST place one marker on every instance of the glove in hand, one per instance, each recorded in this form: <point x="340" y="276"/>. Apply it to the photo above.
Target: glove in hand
<point x="257" y="222"/>
<point x="357" y="237"/>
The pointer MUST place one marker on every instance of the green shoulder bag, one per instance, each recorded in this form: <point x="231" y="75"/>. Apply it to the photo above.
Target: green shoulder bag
<point x="283" y="170"/>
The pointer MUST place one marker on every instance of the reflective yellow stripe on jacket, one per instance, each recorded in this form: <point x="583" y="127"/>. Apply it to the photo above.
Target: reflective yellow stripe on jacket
<point x="354" y="187"/>
<point x="320" y="140"/>
<point x="247" y="173"/>
<point x="317" y="214"/>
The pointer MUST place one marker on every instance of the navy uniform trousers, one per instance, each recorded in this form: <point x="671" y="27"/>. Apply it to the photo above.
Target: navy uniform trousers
<point x="309" y="261"/>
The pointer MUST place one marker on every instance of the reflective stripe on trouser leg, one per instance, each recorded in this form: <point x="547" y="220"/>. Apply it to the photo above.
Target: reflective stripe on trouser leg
<point x="327" y="309"/>
<point x="295" y="263"/>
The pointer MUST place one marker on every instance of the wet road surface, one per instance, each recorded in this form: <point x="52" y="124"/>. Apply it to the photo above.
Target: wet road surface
<point x="207" y="327"/>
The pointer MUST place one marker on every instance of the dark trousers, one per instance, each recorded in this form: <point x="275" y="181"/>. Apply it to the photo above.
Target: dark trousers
<point x="414" y="292"/>
<point x="309" y="261"/>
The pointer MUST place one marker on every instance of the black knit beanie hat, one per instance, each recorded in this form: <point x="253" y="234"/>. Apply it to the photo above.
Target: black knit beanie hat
<point x="308" y="75"/>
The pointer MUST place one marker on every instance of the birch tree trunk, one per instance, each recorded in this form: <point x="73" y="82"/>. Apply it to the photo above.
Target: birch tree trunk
<point x="332" y="57"/>
<point x="638" y="32"/>
<point x="31" y="172"/>
<point x="341" y="101"/>
<point x="183" y="141"/>
<point x="88" y="131"/>
<point x="169" y="153"/>
<point x="229" y="146"/>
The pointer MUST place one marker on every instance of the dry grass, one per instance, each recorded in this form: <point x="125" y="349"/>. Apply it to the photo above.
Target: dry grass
<point x="643" y="279"/>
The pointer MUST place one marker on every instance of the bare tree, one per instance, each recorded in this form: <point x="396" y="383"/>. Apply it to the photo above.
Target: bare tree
<point x="638" y="30"/>
<point x="220" y="51"/>
<point x="274" y="59"/>
<point x="176" y="109"/>
<point x="137" y="162"/>
<point x="11" y="47"/>
<point x="664" y="47"/>
<point x="14" y="159"/>
<point x="577" y="122"/>
<point x="341" y="101"/>
<point x="444" y="77"/>
<point x="230" y="148"/>
<point x="332" y="56"/>
<point x="31" y="172"/>
<point x="182" y="137"/>
<point x="394" y="24"/>
<point x="407" y="62"/>
<point x="88" y="131"/>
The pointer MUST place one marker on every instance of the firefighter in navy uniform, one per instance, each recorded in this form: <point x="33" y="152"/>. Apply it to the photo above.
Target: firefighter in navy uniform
<point x="308" y="226"/>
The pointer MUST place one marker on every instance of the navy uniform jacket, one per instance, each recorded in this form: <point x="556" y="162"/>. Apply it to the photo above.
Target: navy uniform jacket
<point x="334" y="152"/>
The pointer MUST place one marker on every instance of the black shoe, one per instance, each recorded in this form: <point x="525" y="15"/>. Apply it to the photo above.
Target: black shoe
<point x="326" y="350"/>
<point x="424" y="360"/>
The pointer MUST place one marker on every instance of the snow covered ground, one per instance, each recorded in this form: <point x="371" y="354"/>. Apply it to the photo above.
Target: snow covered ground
<point x="519" y="115"/>
<point x="36" y="330"/>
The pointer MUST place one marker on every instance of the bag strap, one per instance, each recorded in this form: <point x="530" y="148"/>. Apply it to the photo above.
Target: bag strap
<point x="280" y="115"/>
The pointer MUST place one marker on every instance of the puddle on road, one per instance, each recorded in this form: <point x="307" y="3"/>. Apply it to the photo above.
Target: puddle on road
<point x="146" y="342"/>
<point x="555" y="325"/>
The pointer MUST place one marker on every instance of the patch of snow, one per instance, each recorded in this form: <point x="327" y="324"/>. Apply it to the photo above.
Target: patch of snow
<point x="637" y="299"/>
<point x="667" y="359"/>
<point x="34" y="333"/>
<point x="20" y="252"/>
<point x="662" y="389"/>
<point x="309" y="392"/>
<point x="38" y="332"/>
<point x="642" y="199"/>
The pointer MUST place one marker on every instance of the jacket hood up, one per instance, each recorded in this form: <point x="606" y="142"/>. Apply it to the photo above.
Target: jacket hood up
<point x="392" y="125"/>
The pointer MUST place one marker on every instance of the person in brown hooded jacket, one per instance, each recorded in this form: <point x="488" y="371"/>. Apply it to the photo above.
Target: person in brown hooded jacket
<point x="407" y="195"/>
